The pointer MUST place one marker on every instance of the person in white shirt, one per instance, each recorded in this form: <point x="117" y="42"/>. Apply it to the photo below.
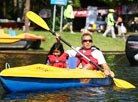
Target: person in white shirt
<point x="93" y="53"/>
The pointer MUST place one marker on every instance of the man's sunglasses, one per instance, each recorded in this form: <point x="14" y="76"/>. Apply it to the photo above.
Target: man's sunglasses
<point x="86" y="40"/>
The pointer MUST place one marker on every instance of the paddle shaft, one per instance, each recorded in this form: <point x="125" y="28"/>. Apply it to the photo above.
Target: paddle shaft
<point x="78" y="51"/>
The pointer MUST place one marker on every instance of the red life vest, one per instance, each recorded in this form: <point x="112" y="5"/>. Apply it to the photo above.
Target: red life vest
<point x="83" y="61"/>
<point x="58" y="62"/>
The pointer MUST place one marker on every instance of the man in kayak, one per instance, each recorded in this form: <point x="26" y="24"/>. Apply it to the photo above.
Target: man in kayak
<point x="93" y="53"/>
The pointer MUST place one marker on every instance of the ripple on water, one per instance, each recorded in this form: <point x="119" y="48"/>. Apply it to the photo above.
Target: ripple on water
<point x="89" y="94"/>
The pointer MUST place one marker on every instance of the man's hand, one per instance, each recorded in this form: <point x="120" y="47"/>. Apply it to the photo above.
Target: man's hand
<point x="58" y="37"/>
<point x="107" y="70"/>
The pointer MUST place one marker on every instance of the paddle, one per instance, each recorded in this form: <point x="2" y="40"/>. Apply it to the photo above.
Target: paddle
<point x="39" y="21"/>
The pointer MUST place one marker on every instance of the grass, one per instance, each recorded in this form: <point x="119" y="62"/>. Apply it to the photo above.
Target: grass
<point x="104" y="43"/>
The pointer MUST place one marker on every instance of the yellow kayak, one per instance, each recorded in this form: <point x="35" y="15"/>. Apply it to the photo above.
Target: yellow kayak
<point x="40" y="77"/>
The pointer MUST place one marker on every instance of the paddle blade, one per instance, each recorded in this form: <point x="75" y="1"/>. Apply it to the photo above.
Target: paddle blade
<point x="123" y="84"/>
<point x="37" y="19"/>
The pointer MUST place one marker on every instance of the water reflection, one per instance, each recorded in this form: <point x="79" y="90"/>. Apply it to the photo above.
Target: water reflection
<point x="101" y="94"/>
<point x="20" y="59"/>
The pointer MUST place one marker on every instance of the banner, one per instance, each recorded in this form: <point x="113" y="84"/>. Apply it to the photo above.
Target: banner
<point x="81" y="12"/>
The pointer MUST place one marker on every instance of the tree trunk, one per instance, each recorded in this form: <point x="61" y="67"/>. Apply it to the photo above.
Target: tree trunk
<point x="27" y="23"/>
<point x="4" y="9"/>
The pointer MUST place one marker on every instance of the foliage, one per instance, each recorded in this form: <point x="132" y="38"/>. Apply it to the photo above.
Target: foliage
<point x="11" y="9"/>
<point x="76" y="3"/>
<point x="115" y="3"/>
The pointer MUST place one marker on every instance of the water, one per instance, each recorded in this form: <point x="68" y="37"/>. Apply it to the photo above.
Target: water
<point x="119" y="65"/>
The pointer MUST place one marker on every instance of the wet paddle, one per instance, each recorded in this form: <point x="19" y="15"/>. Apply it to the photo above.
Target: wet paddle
<point x="39" y="21"/>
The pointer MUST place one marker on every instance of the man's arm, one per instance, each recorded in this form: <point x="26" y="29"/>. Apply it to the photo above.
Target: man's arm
<point x="107" y="70"/>
<point x="101" y="61"/>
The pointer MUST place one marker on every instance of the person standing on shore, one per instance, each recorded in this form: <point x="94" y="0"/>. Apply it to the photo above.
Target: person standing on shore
<point x="118" y="24"/>
<point x="69" y="15"/>
<point x="110" y="24"/>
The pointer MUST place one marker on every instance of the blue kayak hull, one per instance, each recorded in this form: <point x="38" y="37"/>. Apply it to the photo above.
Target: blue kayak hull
<point x="27" y="84"/>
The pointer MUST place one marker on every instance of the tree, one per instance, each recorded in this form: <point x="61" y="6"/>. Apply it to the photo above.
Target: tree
<point x="107" y="3"/>
<point x="27" y="8"/>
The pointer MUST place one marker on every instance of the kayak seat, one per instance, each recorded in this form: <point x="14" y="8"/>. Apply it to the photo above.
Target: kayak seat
<point x="72" y="62"/>
<point x="12" y="32"/>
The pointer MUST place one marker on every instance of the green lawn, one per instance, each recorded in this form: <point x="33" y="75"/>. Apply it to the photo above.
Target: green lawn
<point x="104" y="43"/>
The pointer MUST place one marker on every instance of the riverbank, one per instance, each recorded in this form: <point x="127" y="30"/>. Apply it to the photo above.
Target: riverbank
<point x="35" y="52"/>
<point x="104" y="43"/>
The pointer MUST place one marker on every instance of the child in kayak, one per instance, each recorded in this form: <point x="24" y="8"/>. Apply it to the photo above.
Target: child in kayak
<point x="56" y="56"/>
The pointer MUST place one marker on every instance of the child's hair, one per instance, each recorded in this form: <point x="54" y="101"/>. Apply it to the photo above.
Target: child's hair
<point x="58" y="46"/>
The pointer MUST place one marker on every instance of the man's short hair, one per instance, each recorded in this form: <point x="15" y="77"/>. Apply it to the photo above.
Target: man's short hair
<point x="86" y="34"/>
